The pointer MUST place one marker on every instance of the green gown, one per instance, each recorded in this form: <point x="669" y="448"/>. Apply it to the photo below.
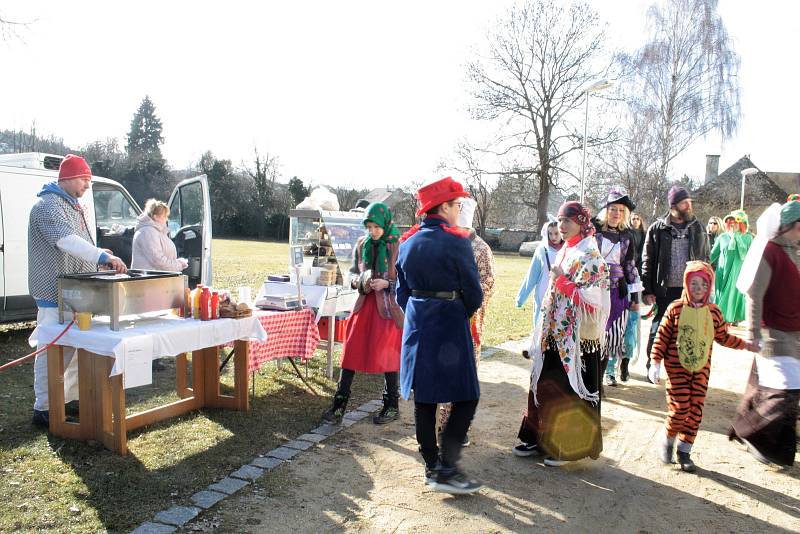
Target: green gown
<point x="727" y="257"/>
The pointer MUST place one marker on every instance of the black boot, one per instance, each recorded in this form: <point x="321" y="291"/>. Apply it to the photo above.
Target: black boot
<point x="686" y="462"/>
<point x="623" y="370"/>
<point x="390" y="410"/>
<point x="335" y="413"/>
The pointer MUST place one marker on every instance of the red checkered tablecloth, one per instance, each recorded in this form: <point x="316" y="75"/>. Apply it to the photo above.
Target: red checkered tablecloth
<point x="290" y="334"/>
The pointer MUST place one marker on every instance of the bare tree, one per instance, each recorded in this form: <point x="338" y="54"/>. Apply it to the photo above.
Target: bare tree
<point x="264" y="175"/>
<point x="540" y="59"/>
<point x="687" y="73"/>
<point x="348" y="196"/>
<point x="480" y="183"/>
<point x="9" y="29"/>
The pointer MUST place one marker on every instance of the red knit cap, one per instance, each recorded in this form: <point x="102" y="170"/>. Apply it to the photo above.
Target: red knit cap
<point x="72" y="167"/>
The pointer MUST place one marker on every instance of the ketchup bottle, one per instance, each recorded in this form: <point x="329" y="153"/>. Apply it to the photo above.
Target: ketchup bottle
<point x="205" y="304"/>
<point x="215" y="304"/>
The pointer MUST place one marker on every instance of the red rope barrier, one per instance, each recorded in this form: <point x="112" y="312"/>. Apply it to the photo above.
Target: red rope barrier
<point x="18" y="361"/>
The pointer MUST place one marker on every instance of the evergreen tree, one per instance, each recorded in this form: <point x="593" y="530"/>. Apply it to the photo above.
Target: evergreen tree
<point x="147" y="175"/>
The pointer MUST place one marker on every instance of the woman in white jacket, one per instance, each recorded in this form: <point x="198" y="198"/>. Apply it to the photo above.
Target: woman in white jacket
<point x="152" y="247"/>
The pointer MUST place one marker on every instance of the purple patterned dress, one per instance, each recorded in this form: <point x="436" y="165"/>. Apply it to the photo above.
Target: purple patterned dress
<point x="620" y="256"/>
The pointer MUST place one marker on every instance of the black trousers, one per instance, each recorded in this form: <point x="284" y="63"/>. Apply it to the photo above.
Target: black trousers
<point x="673" y="293"/>
<point x="391" y="388"/>
<point x="452" y="434"/>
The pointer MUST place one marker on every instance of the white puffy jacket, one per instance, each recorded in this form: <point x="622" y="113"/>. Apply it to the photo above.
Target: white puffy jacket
<point x="152" y="247"/>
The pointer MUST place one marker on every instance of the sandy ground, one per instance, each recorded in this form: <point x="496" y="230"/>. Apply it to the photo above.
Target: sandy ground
<point x="370" y="478"/>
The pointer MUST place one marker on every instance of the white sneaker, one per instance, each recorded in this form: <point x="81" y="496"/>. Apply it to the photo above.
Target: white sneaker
<point x="524" y="450"/>
<point x="552" y="462"/>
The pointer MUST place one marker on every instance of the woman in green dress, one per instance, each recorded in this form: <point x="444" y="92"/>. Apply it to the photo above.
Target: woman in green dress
<point x="727" y="257"/>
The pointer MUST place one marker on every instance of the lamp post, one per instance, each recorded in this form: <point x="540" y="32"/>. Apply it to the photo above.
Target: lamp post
<point x="596" y="86"/>
<point x="745" y="173"/>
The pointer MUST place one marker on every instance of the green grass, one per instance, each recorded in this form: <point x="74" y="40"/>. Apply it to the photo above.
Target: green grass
<point x="47" y="483"/>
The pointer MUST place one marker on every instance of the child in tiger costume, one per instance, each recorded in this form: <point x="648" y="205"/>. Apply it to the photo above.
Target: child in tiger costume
<point x="685" y="336"/>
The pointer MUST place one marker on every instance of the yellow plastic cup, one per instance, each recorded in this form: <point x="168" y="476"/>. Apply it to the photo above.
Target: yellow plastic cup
<point x="84" y="320"/>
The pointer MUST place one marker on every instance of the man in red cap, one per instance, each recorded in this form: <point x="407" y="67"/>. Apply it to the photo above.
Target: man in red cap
<point x="60" y="241"/>
<point x="439" y="289"/>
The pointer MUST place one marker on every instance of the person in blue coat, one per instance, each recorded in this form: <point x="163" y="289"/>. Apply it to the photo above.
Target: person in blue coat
<point x="439" y="289"/>
<point x="539" y="270"/>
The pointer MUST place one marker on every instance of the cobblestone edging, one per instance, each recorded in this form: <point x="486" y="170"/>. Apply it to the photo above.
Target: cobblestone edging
<point x="167" y="521"/>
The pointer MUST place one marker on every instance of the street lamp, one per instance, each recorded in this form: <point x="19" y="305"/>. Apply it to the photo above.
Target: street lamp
<point x="745" y="173"/>
<point x="597" y="86"/>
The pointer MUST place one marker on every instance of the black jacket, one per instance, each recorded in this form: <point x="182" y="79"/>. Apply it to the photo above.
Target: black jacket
<point x="658" y="247"/>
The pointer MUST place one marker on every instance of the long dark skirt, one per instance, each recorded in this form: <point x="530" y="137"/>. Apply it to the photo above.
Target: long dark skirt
<point x="766" y="418"/>
<point x="565" y="426"/>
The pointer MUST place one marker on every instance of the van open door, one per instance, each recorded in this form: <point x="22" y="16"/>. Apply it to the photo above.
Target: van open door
<point x="190" y="227"/>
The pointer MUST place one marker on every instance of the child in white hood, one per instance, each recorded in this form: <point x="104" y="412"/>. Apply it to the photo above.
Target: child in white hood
<point x="153" y="250"/>
<point x="539" y="271"/>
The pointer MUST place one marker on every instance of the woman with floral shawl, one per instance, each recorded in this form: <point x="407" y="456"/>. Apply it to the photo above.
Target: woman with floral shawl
<point x="563" y="416"/>
<point x="375" y="329"/>
<point x="727" y="257"/>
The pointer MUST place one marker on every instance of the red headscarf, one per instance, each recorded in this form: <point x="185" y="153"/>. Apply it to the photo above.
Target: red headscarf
<point x="576" y="212"/>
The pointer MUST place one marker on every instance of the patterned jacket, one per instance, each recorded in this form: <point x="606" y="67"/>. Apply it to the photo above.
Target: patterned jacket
<point x="52" y="218"/>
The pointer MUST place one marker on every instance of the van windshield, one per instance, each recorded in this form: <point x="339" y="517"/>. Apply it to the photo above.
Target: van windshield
<point x="112" y="207"/>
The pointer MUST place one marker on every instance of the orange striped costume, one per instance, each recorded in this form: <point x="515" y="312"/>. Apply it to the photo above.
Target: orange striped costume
<point x="686" y="390"/>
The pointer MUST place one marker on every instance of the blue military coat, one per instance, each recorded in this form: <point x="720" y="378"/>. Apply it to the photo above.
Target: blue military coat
<point x="437" y="359"/>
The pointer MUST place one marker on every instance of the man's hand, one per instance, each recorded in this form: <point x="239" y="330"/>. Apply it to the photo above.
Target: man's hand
<point x="116" y="264"/>
<point x="378" y="284"/>
<point x="649" y="299"/>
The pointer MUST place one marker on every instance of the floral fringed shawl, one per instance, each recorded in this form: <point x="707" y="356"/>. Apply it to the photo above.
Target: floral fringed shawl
<point x="575" y="309"/>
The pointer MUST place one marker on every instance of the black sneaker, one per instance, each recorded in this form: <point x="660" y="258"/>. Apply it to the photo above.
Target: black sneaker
<point x="465" y="442"/>
<point x="455" y="484"/>
<point x="525" y="449"/>
<point x="755" y="453"/>
<point x="387" y="415"/>
<point x="430" y="476"/>
<point x="41" y="418"/>
<point x="611" y="381"/>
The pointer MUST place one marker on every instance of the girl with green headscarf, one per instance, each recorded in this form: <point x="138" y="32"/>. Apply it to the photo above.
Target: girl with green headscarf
<point x="374" y="330"/>
<point x="727" y="257"/>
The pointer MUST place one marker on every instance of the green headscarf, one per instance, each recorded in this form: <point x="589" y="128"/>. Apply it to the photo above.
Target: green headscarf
<point x="790" y="212"/>
<point x="379" y="213"/>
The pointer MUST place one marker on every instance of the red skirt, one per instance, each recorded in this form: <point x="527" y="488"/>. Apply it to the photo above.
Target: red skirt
<point x="371" y="343"/>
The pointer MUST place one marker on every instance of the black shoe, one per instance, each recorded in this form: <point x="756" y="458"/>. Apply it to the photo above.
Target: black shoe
<point x="41" y="418"/>
<point x="623" y="370"/>
<point x="611" y="381"/>
<point x="72" y="408"/>
<point x="455" y="483"/>
<point x="755" y="453"/>
<point x="335" y="413"/>
<point x="465" y="442"/>
<point x="686" y="462"/>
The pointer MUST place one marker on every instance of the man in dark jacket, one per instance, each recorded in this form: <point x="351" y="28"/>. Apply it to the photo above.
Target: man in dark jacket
<point x="438" y="288"/>
<point x="671" y="241"/>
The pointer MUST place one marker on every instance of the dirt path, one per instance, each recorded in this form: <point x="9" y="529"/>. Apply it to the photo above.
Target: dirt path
<point x="369" y="478"/>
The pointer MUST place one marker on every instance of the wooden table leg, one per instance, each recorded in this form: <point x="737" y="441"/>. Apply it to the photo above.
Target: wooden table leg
<point x="198" y="379"/>
<point x="241" y="378"/>
<point x="55" y="388"/>
<point x="210" y="362"/>
<point x="182" y="376"/>
<point x="91" y="406"/>
<point x="118" y="416"/>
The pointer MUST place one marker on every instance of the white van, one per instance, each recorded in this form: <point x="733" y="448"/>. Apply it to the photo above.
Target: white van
<point x="113" y="213"/>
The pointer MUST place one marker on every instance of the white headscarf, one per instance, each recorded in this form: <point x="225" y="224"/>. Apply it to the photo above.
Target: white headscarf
<point x="767" y="228"/>
<point x="467" y="213"/>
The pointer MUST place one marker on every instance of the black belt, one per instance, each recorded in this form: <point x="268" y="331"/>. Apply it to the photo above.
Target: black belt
<point x="443" y="295"/>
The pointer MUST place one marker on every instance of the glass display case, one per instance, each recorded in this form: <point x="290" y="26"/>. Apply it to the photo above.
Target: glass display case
<point x="327" y="239"/>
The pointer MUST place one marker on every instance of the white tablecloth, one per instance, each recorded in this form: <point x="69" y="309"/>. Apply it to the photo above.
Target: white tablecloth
<point x="327" y="300"/>
<point x="154" y="337"/>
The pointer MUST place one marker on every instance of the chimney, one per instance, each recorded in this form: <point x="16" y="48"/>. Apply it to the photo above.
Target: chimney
<point x="712" y="167"/>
